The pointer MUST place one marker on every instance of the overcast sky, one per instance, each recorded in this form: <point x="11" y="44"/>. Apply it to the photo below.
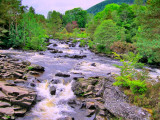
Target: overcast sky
<point x="43" y="6"/>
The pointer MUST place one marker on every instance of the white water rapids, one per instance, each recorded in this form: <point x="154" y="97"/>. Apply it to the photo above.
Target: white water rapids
<point x="53" y="107"/>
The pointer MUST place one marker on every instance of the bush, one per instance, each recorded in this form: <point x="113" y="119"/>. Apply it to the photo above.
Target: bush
<point x="138" y="86"/>
<point x="129" y="77"/>
<point x="90" y="44"/>
<point x="101" y="48"/>
<point x="83" y="43"/>
<point x="122" y="47"/>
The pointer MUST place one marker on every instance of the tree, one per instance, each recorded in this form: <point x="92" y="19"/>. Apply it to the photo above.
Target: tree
<point x="76" y="14"/>
<point x="32" y="10"/>
<point x="54" y="22"/>
<point x="106" y="33"/>
<point x="148" y="35"/>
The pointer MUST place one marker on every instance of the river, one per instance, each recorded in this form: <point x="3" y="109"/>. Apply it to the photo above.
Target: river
<point x="56" y="106"/>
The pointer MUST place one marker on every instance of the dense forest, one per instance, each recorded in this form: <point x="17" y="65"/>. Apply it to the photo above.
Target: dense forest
<point x="119" y="28"/>
<point x="100" y="6"/>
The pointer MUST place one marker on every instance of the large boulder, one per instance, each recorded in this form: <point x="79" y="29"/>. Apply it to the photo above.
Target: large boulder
<point x="116" y="103"/>
<point x="107" y="100"/>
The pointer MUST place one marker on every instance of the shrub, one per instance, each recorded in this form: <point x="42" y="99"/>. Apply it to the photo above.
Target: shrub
<point x="122" y="47"/>
<point x="129" y="77"/>
<point x="138" y="86"/>
<point x="101" y="48"/>
<point x="90" y="44"/>
<point x="74" y="41"/>
<point x="83" y="43"/>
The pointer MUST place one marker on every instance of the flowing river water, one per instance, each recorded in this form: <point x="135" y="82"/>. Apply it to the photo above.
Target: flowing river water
<point x="56" y="106"/>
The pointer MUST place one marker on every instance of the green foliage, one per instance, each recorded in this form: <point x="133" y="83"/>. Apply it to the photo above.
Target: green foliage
<point x="101" y="48"/>
<point x="76" y="14"/>
<point x="106" y="33"/>
<point x="54" y="22"/>
<point x="100" y="6"/>
<point x="90" y="44"/>
<point x="82" y="35"/>
<point x="74" y="41"/>
<point x="30" y="67"/>
<point x="148" y="33"/>
<point x="83" y="43"/>
<point x="138" y="86"/>
<point x="130" y="77"/>
<point x="31" y="34"/>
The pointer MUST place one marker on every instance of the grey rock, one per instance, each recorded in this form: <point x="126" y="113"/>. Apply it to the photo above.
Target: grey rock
<point x="4" y="104"/>
<point x="90" y="113"/>
<point x="90" y="105"/>
<point x="54" y="45"/>
<point x="116" y="103"/>
<point x="15" y="95"/>
<point x="66" y="118"/>
<point x="52" y="90"/>
<point x="27" y="63"/>
<point x="62" y="75"/>
<point x="36" y="67"/>
<point x="93" y="64"/>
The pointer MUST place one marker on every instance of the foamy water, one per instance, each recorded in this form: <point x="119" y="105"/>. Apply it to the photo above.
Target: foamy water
<point x="53" y="107"/>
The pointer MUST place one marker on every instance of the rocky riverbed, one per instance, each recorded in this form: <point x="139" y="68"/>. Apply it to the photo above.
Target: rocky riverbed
<point x="65" y="82"/>
<point x="15" y="100"/>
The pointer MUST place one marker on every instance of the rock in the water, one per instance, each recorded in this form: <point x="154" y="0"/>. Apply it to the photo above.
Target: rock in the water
<point x="76" y="56"/>
<point x="41" y="53"/>
<point x="54" y="45"/>
<point x="93" y="64"/>
<point x="62" y="75"/>
<point x="55" y="81"/>
<point x="36" y="67"/>
<point x="34" y="73"/>
<point x="77" y="88"/>
<point x="32" y="84"/>
<point x="72" y="45"/>
<point x="66" y="118"/>
<point x="56" y="51"/>
<point x="52" y="90"/>
<point x="50" y="48"/>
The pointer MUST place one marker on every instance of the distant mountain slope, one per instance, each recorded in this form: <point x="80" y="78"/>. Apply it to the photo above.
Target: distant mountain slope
<point x="100" y="6"/>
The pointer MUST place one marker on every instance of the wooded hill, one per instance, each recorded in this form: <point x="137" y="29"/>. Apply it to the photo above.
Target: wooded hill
<point x="100" y="6"/>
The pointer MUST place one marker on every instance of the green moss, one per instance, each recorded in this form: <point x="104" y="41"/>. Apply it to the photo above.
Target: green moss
<point x="30" y="67"/>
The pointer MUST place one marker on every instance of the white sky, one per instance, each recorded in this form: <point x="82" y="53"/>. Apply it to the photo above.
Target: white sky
<point x="43" y="6"/>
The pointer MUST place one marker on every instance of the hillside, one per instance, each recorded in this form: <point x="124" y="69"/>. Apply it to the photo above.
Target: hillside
<point x="100" y="6"/>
